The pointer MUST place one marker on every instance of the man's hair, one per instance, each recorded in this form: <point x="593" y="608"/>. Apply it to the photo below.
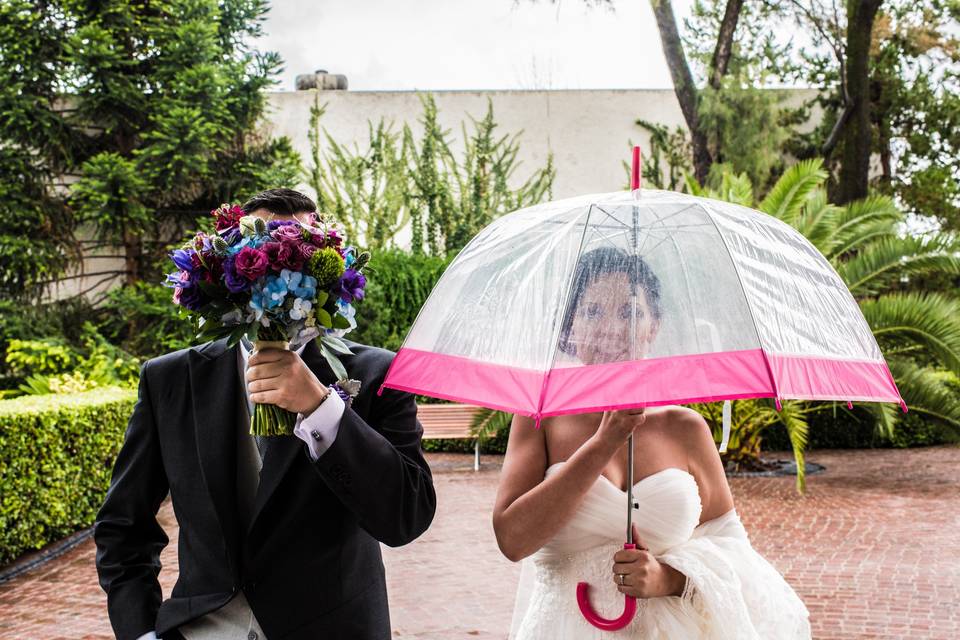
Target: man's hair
<point x="280" y="202"/>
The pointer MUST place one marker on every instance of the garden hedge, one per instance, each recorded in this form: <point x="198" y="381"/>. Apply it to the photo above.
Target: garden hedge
<point x="56" y="458"/>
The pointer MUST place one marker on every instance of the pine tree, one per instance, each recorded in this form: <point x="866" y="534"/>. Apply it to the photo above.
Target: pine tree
<point x="134" y="117"/>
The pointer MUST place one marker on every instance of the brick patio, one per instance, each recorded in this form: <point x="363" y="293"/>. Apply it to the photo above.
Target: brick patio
<point x="873" y="549"/>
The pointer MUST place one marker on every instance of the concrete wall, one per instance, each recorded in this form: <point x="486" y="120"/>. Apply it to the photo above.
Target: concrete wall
<point x="588" y="132"/>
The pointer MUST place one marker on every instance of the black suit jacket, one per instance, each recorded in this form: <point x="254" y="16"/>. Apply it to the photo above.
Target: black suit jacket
<point x="310" y="562"/>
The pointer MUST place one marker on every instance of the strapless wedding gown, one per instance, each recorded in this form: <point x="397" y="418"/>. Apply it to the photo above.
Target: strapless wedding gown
<point x="732" y="592"/>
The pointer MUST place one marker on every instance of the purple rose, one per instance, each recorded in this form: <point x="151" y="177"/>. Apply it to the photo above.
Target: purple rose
<point x="307" y="250"/>
<point x="234" y="280"/>
<point x="251" y="263"/>
<point x="351" y="284"/>
<point x="288" y="231"/>
<point x="276" y="224"/>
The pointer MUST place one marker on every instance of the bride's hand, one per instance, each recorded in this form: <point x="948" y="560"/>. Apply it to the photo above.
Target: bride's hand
<point x="644" y="575"/>
<point x="616" y="426"/>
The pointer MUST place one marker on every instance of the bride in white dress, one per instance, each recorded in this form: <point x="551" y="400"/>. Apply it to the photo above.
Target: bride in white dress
<point x="561" y="507"/>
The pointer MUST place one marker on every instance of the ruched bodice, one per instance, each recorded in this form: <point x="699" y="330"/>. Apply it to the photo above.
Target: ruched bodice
<point x="666" y="511"/>
<point x="716" y="556"/>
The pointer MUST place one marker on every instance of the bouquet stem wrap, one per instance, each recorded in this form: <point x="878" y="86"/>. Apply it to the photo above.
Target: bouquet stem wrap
<point x="269" y="419"/>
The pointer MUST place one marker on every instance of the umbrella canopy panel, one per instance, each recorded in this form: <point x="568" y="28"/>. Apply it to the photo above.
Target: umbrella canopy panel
<point x="638" y="298"/>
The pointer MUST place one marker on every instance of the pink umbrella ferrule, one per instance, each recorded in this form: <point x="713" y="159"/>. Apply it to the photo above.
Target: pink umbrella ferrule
<point x="635" y="170"/>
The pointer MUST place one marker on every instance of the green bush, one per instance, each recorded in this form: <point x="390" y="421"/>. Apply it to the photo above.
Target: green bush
<point x="60" y="321"/>
<point x="398" y="284"/>
<point x="56" y="457"/>
<point x="495" y="445"/>
<point x="52" y="365"/>
<point x="826" y="432"/>
<point x="856" y="429"/>
<point x="143" y="320"/>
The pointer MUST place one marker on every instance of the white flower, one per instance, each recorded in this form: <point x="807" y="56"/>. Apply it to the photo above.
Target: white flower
<point x="303" y="336"/>
<point x="300" y="309"/>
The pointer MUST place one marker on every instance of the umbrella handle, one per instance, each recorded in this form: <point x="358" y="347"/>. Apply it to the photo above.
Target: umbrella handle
<point x="606" y="624"/>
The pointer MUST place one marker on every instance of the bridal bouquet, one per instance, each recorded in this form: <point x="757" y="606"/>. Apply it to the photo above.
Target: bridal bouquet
<point x="280" y="283"/>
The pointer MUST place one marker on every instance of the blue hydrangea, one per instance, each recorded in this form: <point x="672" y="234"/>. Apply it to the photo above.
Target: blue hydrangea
<point x="267" y="293"/>
<point x="299" y="284"/>
<point x="247" y="241"/>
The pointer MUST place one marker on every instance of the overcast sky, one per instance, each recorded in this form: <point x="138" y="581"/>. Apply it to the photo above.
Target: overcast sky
<point x="470" y="44"/>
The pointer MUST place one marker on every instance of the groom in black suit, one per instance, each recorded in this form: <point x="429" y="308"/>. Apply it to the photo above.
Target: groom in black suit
<point x="291" y="553"/>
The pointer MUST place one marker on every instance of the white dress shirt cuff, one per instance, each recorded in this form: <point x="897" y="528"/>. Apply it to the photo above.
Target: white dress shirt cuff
<point x="149" y="635"/>
<point x="319" y="428"/>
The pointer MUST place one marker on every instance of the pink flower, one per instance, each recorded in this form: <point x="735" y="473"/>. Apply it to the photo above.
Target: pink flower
<point x="318" y="239"/>
<point x="251" y="263"/>
<point x="284" y="254"/>
<point x="227" y="216"/>
<point x="307" y="250"/>
<point x="288" y="231"/>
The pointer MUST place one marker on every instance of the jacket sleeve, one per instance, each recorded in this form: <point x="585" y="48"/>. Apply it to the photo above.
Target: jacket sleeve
<point x="127" y="535"/>
<point x="378" y="471"/>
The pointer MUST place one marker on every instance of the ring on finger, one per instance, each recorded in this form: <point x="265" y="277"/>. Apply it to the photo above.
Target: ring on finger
<point x="621" y="577"/>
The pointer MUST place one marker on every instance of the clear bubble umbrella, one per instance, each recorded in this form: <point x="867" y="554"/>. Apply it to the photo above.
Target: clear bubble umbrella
<point x="635" y="299"/>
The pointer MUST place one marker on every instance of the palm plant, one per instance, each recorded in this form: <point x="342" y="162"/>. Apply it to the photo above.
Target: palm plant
<point x="918" y="330"/>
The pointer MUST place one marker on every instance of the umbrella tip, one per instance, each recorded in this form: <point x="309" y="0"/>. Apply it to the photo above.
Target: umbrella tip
<point x="635" y="172"/>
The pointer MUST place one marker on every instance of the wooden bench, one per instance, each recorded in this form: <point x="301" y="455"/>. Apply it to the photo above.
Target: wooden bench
<point x="450" y="421"/>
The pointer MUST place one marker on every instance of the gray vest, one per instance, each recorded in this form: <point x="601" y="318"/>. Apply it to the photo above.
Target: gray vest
<point x="235" y="620"/>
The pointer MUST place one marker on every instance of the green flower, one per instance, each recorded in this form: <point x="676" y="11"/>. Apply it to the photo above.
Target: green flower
<point x="326" y="265"/>
<point x="252" y="226"/>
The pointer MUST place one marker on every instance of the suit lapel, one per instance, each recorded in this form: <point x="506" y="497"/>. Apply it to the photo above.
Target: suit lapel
<point x="214" y="390"/>
<point x="283" y="450"/>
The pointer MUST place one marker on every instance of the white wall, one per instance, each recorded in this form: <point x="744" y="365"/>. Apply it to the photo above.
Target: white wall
<point x="588" y="132"/>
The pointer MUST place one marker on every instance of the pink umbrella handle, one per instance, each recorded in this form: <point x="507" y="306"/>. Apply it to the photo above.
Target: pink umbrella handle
<point x="606" y="624"/>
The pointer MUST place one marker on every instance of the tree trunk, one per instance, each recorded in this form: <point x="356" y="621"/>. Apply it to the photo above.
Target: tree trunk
<point x="132" y="252"/>
<point x="682" y="85"/>
<point x="857" y="135"/>
<point x="721" y="54"/>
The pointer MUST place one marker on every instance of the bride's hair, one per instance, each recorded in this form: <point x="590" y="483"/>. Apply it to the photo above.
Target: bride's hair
<point x="602" y="261"/>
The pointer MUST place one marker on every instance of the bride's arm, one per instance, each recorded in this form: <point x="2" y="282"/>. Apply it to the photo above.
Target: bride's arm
<point x="706" y="466"/>
<point x="530" y="509"/>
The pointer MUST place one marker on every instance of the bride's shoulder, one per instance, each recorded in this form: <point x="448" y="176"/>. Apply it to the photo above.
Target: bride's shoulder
<point x="681" y="422"/>
<point x="686" y="430"/>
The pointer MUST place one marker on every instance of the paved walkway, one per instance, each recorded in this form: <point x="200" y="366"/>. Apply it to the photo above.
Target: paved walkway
<point x="873" y="549"/>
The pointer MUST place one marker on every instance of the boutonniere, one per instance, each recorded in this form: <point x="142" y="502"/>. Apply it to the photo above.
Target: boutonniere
<point x="347" y="389"/>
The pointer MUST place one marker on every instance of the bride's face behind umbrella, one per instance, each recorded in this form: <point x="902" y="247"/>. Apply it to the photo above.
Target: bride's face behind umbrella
<point x="608" y="288"/>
